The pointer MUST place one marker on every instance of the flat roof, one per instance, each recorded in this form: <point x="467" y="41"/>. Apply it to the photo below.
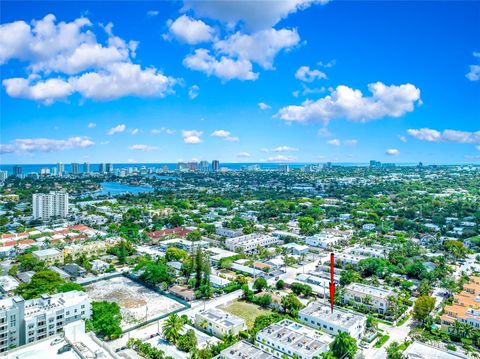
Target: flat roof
<point x="368" y="289"/>
<point x="244" y="350"/>
<point x="340" y="317"/>
<point x="220" y="317"/>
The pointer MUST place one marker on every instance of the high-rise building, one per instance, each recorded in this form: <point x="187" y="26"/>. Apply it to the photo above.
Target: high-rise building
<point x="86" y="167"/>
<point x="17" y="171"/>
<point x="75" y="168"/>
<point x="284" y="168"/>
<point x="182" y="166"/>
<point x="61" y="168"/>
<point x="3" y="176"/>
<point x="193" y="166"/>
<point x="51" y="205"/>
<point x="215" y="165"/>
<point x="44" y="171"/>
<point x="203" y="166"/>
<point x="374" y="163"/>
<point x="26" y="321"/>
<point x="109" y="168"/>
<point x="101" y="168"/>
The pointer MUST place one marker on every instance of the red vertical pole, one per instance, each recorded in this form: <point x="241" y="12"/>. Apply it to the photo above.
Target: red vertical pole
<point x="332" y="282"/>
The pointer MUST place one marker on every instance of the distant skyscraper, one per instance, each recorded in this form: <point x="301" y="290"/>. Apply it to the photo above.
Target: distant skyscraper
<point x="374" y="163"/>
<point x="284" y="168"/>
<point x="3" y="176"/>
<point x="53" y="204"/>
<point x="75" y="168"/>
<point x="182" y="166"/>
<point x="193" y="166"/>
<point x="203" y="166"/>
<point x="86" y="167"/>
<point x="102" y="168"/>
<point x="45" y="171"/>
<point x="109" y="167"/>
<point x="17" y="170"/>
<point x="215" y="165"/>
<point x="61" y="168"/>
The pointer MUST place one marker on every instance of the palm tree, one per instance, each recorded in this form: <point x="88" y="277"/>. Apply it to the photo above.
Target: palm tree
<point x="172" y="327"/>
<point x="344" y="346"/>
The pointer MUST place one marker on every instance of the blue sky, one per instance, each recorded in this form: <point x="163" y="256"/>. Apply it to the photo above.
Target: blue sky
<point x="291" y="81"/>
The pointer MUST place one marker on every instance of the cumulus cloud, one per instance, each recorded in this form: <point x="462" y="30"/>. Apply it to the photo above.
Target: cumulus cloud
<point x="337" y="142"/>
<point x="153" y="12"/>
<point x="144" y="148"/>
<point x="392" y="152"/>
<point x="190" y="31"/>
<point x="305" y="74"/>
<point x="345" y="102"/>
<point x="134" y="131"/>
<point x="225" y="135"/>
<point x="431" y="135"/>
<point x="260" y="47"/>
<point x="117" y="129"/>
<point x="99" y="71"/>
<point x="191" y="136"/>
<point x="47" y="91"/>
<point x="45" y="144"/>
<point x="263" y="106"/>
<point x="166" y="130"/>
<point x="225" y="68"/>
<point x="92" y="125"/>
<point x="284" y="149"/>
<point x="334" y="142"/>
<point x="193" y="91"/>
<point x="474" y="73"/>
<point x="281" y="158"/>
<point x="402" y="138"/>
<point x="254" y="15"/>
<point x="243" y="155"/>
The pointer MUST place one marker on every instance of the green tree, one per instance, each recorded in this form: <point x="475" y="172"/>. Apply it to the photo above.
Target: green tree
<point x="291" y="305"/>
<point x="156" y="273"/>
<point x="187" y="342"/>
<point x="348" y="276"/>
<point x="45" y="281"/>
<point x="344" y="346"/>
<point x="423" y="307"/>
<point x="106" y="319"/>
<point x="306" y="225"/>
<point x="280" y="284"/>
<point x="175" y="254"/>
<point x="172" y="327"/>
<point x="260" y="284"/>
<point x="69" y="286"/>
<point x="394" y="351"/>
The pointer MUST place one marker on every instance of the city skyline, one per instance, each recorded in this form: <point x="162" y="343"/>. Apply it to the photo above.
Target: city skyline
<point x="186" y="81"/>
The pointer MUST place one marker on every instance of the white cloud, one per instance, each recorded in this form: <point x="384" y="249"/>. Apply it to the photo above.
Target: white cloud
<point x="123" y="79"/>
<point x="326" y="64"/>
<point x="305" y="74"/>
<point x="46" y="144"/>
<point x="224" y="68"/>
<point x="263" y="106"/>
<point x="47" y="91"/>
<point x="477" y="147"/>
<point x="284" y="149"/>
<point x="474" y="73"/>
<point x="190" y="31"/>
<point x="225" y="135"/>
<point x="281" y="158"/>
<point x="431" y="135"/>
<point x="350" y="142"/>
<point x="345" y="102"/>
<point x="243" y="155"/>
<point x="153" y="12"/>
<point x="191" y="136"/>
<point x="92" y="125"/>
<point x="392" y="152"/>
<point x="134" y="131"/>
<point x="260" y="47"/>
<point x="334" y="142"/>
<point x="253" y="14"/>
<point x="402" y="138"/>
<point x="193" y="91"/>
<point x="144" y="148"/>
<point x="166" y="130"/>
<point x="117" y="129"/>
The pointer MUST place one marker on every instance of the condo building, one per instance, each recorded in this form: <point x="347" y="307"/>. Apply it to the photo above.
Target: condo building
<point x="51" y="205"/>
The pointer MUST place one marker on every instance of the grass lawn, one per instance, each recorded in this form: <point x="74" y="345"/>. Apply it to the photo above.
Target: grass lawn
<point x="383" y="339"/>
<point x="247" y="311"/>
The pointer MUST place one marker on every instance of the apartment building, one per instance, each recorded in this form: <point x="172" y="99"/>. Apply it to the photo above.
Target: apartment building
<point x="50" y="205"/>
<point x="250" y="242"/>
<point x="219" y="323"/>
<point x="50" y="255"/>
<point x="244" y="350"/>
<point x="370" y="296"/>
<point x="26" y="321"/>
<point x="291" y="339"/>
<point x="318" y="315"/>
<point x="329" y="238"/>
<point x="465" y="307"/>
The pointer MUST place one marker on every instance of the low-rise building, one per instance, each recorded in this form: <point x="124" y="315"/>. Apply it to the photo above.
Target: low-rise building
<point x="26" y="321"/>
<point x="329" y="238"/>
<point x="219" y="323"/>
<point x="50" y="255"/>
<point x="291" y="339"/>
<point x="244" y="350"/>
<point x="465" y="307"/>
<point x="320" y="316"/>
<point x="370" y="296"/>
<point x="250" y="242"/>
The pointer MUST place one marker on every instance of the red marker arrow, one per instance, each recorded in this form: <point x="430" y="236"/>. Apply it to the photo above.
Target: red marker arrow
<point x="332" y="281"/>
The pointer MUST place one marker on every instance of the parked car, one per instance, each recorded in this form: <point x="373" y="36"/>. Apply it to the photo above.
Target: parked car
<point x="56" y="341"/>
<point x="64" y="349"/>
